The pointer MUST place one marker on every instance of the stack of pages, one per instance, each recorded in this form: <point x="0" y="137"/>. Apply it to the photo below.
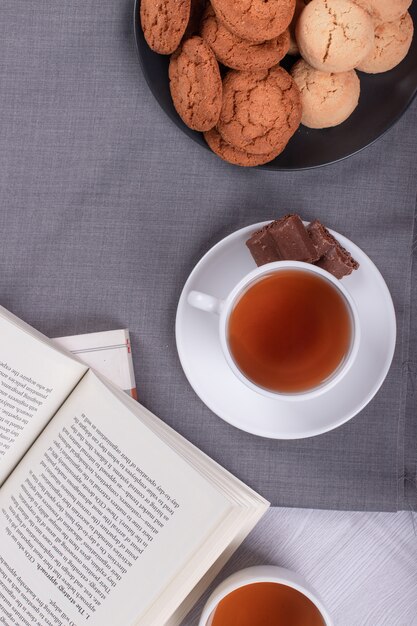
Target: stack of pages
<point x="108" y="352"/>
<point x="107" y="516"/>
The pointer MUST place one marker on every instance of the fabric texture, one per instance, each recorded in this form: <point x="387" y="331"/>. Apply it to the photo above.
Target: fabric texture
<point x="106" y="207"/>
<point x="362" y="565"/>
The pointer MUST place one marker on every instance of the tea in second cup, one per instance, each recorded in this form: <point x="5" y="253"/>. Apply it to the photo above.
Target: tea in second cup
<point x="264" y="595"/>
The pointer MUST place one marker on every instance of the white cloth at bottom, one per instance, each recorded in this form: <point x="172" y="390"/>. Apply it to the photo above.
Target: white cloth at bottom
<point x="363" y="565"/>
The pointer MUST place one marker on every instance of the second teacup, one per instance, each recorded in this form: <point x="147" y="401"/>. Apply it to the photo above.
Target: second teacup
<point x="265" y="594"/>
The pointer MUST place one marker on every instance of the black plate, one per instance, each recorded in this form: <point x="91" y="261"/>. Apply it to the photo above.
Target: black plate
<point x="384" y="99"/>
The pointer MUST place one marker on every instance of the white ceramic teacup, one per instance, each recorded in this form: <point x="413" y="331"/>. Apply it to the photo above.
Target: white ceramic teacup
<point x="262" y="574"/>
<point x="223" y="309"/>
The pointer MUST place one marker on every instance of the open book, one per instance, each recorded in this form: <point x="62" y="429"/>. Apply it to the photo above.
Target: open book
<point x="107" y="516"/>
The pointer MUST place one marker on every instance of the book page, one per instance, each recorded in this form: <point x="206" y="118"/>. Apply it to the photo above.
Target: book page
<point x="35" y="379"/>
<point x="99" y="517"/>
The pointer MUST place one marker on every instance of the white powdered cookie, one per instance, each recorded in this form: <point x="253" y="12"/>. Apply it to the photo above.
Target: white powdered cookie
<point x="392" y="43"/>
<point x="327" y="99"/>
<point x="334" y="35"/>
<point x="385" y="10"/>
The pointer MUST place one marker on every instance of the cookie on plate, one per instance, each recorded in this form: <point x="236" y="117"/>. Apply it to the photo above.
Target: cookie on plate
<point x="255" y="20"/>
<point x="195" y="84"/>
<point x="237" y="53"/>
<point x="392" y="43"/>
<point x="334" y="35"/>
<point x="327" y="99"/>
<point x="164" y="23"/>
<point x="385" y="10"/>
<point x="233" y="155"/>
<point x="261" y="110"/>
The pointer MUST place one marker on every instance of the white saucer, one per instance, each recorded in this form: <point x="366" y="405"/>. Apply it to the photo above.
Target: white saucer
<point x="204" y="365"/>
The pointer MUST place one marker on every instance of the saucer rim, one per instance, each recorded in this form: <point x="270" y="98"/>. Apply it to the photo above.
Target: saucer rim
<point x="267" y="433"/>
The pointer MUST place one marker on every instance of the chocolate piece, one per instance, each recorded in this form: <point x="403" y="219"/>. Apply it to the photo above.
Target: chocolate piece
<point x="292" y="240"/>
<point x="287" y="239"/>
<point x="321" y="237"/>
<point x="334" y="258"/>
<point x="338" y="261"/>
<point x="262" y="247"/>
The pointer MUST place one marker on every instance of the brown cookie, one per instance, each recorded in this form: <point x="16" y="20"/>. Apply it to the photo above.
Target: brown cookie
<point x="238" y="53"/>
<point x="255" y="20"/>
<point x="261" y="110"/>
<point x="164" y="23"/>
<point x="233" y="155"/>
<point x="196" y="85"/>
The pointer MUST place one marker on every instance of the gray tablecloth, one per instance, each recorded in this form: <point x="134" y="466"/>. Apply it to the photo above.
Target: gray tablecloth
<point x="106" y="207"/>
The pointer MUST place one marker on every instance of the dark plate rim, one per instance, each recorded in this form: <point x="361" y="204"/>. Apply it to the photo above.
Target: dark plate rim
<point x="268" y="168"/>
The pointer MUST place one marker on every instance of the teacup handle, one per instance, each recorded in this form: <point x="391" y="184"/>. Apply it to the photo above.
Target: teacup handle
<point x="204" y="302"/>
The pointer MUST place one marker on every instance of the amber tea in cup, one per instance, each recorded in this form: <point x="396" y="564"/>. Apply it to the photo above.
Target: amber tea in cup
<point x="290" y="331"/>
<point x="266" y="604"/>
